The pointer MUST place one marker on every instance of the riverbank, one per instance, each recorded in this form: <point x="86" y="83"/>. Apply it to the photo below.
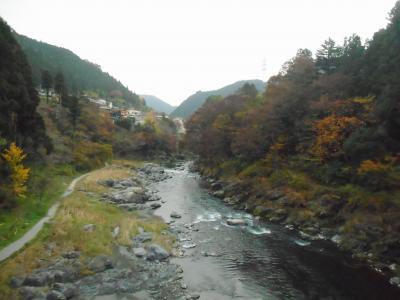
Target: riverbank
<point x="356" y="225"/>
<point x="95" y="246"/>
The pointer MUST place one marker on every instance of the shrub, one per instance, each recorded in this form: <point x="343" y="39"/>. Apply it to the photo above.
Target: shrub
<point x="90" y="155"/>
<point x="377" y="175"/>
<point x="293" y="179"/>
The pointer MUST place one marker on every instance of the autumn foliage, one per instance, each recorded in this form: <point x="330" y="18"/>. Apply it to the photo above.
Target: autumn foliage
<point x="330" y="115"/>
<point x="331" y="133"/>
<point x="19" y="174"/>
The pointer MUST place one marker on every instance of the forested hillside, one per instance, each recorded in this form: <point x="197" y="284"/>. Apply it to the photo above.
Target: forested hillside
<point x="326" y="134"/>
<point x="47" y="140"/>
<point x="195" y="101"/>
<point x="80" y="75"/>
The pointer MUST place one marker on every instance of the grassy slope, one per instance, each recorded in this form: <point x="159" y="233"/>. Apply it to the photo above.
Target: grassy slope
<point x="65" y="232"/>
<point x="15" y="222"/>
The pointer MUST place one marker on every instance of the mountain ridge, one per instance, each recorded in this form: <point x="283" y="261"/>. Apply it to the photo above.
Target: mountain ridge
<point x="158" y="104"/>
<point x="195" y="101"/>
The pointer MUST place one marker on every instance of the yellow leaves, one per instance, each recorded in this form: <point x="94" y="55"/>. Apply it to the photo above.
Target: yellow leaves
<point x="19" y="174"/>
<point x="14" y="155"/>
<point x="331" y="133"/>
<point x="364" y="101"/>
<point x="370" y="166"/>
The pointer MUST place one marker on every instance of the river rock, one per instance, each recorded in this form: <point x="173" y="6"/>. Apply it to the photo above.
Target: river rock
<point x="107" y="182"/>
<point x="142" y="295"/>
<point x="235" y="222"/>
<point x="100" y="263"/>
<point x="55" y="295"/>
<point x="337" y="239"/>
<point x="139" y="252"/>
<point x="69" y="290"/>
<point x="175" y="215"/>
<point x="37" y="279"/>
<point x="155" y="205"/>
<point x="156" y="252"/>
<point x="127" y="183"/>
<point x="71" y="254"/>
<point x="31" y="293"/>
<point x="219" y="194"/>
<point x="189" y="245"/>
<point x="16" y="281"/>
<point x="143" y="237"/>
<point x="216" y="186"/>
<point x="89" y="227"/>
<point x="395" y="281"/>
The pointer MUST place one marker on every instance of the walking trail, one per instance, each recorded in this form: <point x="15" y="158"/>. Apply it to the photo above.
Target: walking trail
<point x="31" y="233"/>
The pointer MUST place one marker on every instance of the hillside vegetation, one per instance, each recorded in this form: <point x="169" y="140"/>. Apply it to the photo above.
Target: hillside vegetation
<point x="320" y="148"/>
<point x="80" y="75"/>
<point x="195" y="101"/>
<point x="46" y="141"/>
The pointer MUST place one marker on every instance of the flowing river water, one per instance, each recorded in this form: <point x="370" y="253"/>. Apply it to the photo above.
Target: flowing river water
<point x="259" y="260"/>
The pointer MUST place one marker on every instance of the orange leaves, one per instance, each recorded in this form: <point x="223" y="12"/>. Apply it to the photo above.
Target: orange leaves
<point x="331" y="133"/>
<point x="19" y="174"/>
<point x="370" y="166"/>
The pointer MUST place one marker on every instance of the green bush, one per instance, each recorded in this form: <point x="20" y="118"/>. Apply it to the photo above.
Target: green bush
<point x="90" y="155"/>
<point x="296" y="180"/>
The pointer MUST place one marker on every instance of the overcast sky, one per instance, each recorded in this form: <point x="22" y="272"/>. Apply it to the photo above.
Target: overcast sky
<point x="173" y="48"/>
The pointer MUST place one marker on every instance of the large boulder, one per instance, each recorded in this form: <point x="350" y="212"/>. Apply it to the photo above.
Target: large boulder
<point x="156" y="252"/>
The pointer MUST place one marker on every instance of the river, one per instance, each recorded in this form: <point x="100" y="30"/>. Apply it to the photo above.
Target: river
<point x="259" y="260"/>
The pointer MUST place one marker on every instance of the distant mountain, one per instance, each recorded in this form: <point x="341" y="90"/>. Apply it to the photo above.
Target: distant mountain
<point x="78" y="73"/>
<point x="157" y="104"/>
<point x="195" y="101"/>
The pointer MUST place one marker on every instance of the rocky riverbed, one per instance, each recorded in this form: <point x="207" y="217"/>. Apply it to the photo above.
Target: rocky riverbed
<point x="140" y="271"/>
<point x="221" y="251"/>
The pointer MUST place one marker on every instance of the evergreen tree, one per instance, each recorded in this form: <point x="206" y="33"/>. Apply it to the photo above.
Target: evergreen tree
<point x="19" y="121"/>
<point x="47" y="83"/>
<point x="248" y="89"/>
<point x="328" y="57"/>
<point x="61" y="89"/>
<point x="74" y="110"/>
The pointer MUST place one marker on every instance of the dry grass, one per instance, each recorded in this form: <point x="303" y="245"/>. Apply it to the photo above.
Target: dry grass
<point x="66" y="233"/>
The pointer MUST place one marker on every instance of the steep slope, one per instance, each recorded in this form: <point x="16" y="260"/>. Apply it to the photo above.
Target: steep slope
<point x="19" y="121"/>
<point x="79" y="74"/>
<point x="195" y="101"/>
<point x="157" y="104"/>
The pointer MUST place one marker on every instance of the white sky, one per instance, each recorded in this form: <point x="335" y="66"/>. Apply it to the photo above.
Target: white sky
<point x="172" y="48"/>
